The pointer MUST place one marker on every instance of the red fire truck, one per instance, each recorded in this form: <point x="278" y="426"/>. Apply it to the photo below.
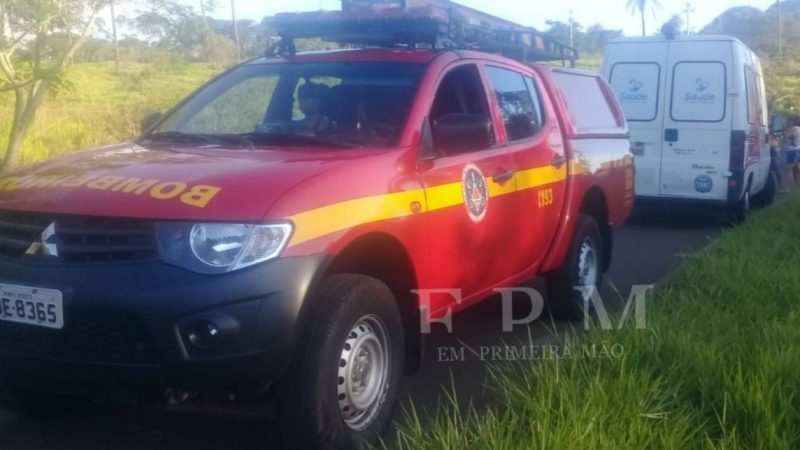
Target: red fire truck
<point x="271" y="233"/>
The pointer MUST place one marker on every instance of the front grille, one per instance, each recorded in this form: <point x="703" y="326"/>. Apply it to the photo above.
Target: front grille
<point x="76" y="239"/>
<point x="87" y="336"/>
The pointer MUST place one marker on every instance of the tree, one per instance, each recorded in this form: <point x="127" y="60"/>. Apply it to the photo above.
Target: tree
<point x="30" y="65"/>
<point x="642" y="7"/>
<point x="672" y="27"/>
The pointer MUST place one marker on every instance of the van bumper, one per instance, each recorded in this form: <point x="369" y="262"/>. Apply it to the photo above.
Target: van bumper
<point x="643" y="200"/>
<point x="147" y="325"/>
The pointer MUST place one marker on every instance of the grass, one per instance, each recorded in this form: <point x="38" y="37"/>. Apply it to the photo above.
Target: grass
<point x="716" y="368"/>
<point x="102" y="106"/>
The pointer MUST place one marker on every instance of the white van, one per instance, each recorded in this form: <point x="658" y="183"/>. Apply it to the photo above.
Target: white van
<point x="697" y="111"/>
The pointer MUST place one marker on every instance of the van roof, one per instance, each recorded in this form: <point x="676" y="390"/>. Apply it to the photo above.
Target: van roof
<point x="681" y="38"/>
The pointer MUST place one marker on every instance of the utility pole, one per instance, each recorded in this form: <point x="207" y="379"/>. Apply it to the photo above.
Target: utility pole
<point x="205" y="19"/>
<point x="114" y="31"/>
<point x="236" y="32"/>
<point x="780" y="28"/>
<point x="571" y="29"/>
<point x="688" y="10"/>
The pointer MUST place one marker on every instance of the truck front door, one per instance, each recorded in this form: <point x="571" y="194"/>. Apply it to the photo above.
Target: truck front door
<point x="471" y="208"/>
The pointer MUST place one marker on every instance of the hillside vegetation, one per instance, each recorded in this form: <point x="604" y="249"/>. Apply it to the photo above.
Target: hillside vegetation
<point x="101" y="106"/>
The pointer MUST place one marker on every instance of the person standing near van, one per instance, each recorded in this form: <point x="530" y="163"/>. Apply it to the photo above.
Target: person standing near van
<point x="792" y="153"/>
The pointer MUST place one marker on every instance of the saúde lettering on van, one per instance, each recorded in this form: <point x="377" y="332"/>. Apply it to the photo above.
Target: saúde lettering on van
<point x="633" y="97"/>
<point x="692" y="97"/>
<point x="198" y="195"/>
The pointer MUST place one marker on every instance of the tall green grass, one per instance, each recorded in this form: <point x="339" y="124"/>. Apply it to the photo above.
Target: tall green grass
<point x="102" y="106"/>
<point x="718" y="366"/>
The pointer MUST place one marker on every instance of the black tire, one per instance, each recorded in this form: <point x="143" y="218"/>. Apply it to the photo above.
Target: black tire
<point x="313" y="406"/>
<point x="35" y="404"/>
<point x="767" y="195"/>
<point x="740" y="211"/>
<point x="564" y="301"/>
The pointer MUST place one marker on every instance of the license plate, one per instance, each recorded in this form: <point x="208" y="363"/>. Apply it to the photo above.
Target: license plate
<point x="32" y="306"/>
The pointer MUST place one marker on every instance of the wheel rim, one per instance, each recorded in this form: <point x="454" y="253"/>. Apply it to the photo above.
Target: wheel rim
<point x="588" y="267"/>
<point x="363" y="374"/>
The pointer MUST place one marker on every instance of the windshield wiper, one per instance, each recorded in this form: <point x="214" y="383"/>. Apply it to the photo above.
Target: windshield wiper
<point x="179" y="137"/>
<point x="292" y="139"/>
<point x="208" y="139"/>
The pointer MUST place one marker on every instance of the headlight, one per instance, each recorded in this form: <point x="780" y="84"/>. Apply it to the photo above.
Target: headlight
<point x="221" y="247"/>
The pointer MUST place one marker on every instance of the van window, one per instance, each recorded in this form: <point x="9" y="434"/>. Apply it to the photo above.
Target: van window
<point x="753" y="101"/>
<point x="756" y="109"/>
<point x="762" y="98"/>
<point x="699" y="91"/>
<point x="638" y="88"/>
<point x="587" y="104"/>
<point x="520" y="112"/>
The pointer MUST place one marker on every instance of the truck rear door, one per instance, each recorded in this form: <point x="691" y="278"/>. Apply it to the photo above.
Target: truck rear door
<point x="698" y="117"/>
<point x="637" y="73"/>
<point x="533" y="137"/>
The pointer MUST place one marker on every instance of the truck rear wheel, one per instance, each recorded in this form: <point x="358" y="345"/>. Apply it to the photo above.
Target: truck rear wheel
<point x="341" y="391"/>
<point x="582" y="268"/>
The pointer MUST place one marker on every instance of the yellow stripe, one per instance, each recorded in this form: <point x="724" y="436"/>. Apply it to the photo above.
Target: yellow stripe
<point x="540" y="176"/>
<point x="444" y="196"/>
<point x="348" y="214"/>
<point x="344" y="215"/>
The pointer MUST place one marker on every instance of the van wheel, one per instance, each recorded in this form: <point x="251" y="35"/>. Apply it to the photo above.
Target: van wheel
<point x="582" y="268"/>
<point x="767" y="195"/>
<point x="341" y="390"/>
<point x="740" y="211"/>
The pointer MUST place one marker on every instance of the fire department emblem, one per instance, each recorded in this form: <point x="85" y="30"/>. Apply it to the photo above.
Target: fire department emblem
<point x="476" y="194"/>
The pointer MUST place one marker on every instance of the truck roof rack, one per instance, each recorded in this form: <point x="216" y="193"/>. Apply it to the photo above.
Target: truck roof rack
<point x="435" y="24"/>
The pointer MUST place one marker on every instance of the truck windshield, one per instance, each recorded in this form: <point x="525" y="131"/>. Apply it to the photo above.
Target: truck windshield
<point x="337" y="104"/>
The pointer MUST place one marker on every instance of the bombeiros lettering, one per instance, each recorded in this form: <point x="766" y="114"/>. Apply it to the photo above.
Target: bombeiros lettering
<point x="197" y="195"/>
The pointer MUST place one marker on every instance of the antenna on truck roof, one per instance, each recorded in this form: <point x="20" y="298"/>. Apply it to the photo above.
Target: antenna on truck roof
<point x="435" y="24"/>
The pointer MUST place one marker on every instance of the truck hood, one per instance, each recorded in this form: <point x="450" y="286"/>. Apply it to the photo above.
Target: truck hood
<point x="174" y="184"/>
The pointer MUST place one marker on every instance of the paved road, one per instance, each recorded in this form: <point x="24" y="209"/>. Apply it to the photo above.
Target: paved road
<point x="647" y="249"/>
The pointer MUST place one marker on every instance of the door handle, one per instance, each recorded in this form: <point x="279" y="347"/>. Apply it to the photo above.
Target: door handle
<point x="671" y="135"/>
<point x="558" y="161"/>
<point x="503" y="176"/>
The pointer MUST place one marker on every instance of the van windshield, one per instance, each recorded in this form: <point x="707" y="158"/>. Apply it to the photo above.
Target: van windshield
<point x="336" y="104"/>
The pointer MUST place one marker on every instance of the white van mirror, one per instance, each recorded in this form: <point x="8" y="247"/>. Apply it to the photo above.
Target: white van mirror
<point x="779" y="124"/>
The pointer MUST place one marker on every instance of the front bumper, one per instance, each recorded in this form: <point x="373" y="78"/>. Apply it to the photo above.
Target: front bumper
<point x="138" y="324"/>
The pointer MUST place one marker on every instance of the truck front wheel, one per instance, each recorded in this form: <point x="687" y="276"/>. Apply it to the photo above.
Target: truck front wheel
<point x="341" y="390"/>
<point x="582" y="268"/>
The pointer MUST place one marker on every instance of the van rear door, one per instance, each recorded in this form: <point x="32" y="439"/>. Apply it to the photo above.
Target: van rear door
<point x="636" y="72"/>
<point x="698" y="117"/>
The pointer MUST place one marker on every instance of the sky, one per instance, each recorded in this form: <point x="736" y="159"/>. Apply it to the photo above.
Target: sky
<point x="611" y="14"/>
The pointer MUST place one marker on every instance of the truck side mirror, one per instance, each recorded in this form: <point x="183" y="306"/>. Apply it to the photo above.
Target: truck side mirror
<point x="459" y="133"/>
<point x="149" y="121"/>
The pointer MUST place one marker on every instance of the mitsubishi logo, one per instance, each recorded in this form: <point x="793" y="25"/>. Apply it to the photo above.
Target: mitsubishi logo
<point x="46" y="245"/>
